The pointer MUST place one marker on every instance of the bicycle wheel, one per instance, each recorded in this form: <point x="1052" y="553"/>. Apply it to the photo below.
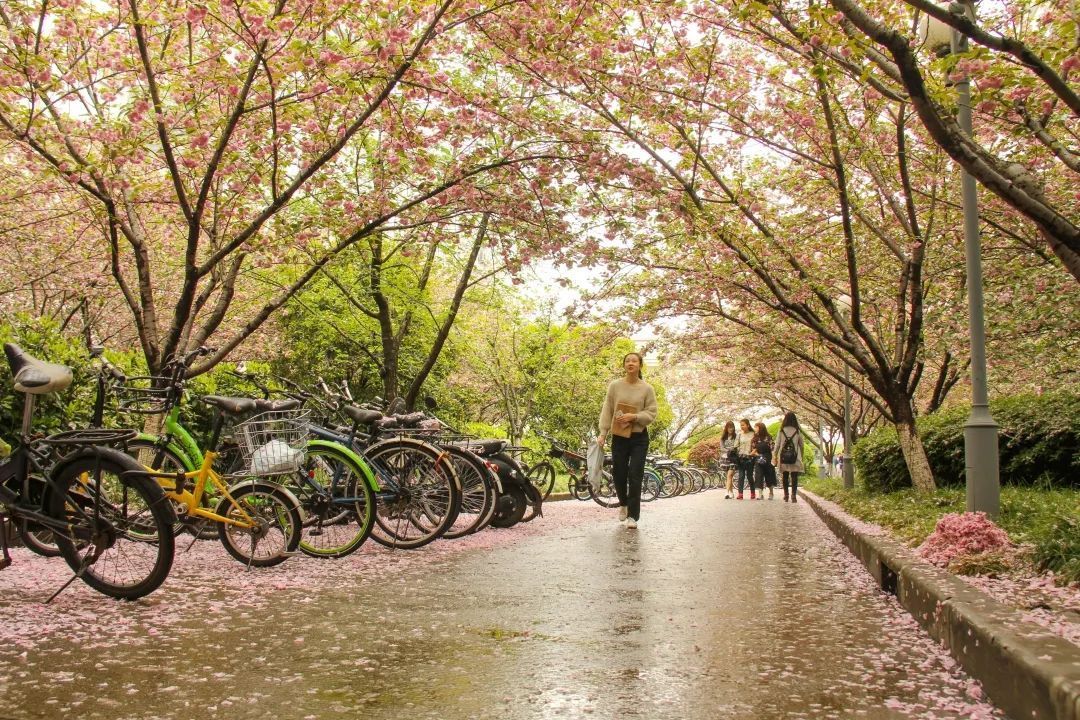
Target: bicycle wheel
<point x="670" y="484"/>
<point x="39" y="540"/>
<point x="477" y="492"/>
<point x="147" y="453"/>
<point x="338" y="503"/>
<point x="419" y="493"/>
<point x="542" y="475"/>
<point x="276" y="531"/>
<point x="605" y="495"/>
<point x="578" y="487"/>
<point x="510" y="514"/>
<point x="121" y="542"/>
<point x="650" y="485"/>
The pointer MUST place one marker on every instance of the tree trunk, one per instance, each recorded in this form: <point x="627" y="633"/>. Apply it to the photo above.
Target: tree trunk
<point x="918" y="464"/>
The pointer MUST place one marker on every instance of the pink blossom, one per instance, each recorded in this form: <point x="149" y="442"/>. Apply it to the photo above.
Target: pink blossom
<point x="195" y="14"/>
<point x="959" y="534"/>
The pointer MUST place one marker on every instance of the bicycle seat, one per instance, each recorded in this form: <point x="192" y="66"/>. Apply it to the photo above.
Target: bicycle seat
<point x="281" y="404"/>
<point x="34" y="376"/>
<point x="234" y="405"/>
<point x="361" y="415"/>
<point x="487" y="447"/>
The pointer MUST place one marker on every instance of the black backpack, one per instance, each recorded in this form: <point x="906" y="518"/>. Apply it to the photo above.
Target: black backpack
<point x="788" y="454"/>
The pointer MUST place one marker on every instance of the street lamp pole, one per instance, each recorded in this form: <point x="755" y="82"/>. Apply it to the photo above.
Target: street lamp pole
<point x="980" y="430"/>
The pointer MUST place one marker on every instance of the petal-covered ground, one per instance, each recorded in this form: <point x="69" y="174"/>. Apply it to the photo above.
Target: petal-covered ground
<point x="711" y="609"/>
<point x="1039" y="598"/>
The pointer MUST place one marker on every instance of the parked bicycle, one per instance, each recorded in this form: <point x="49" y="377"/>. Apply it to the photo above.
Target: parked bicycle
<point x="259" y="520"/>
<point x="112" y="528"/>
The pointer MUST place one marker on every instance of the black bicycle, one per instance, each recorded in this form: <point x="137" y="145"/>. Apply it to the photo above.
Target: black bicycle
<point x="77" y="489"/>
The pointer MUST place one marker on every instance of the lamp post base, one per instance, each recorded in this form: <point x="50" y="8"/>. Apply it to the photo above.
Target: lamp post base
<point x="981" y="455"/>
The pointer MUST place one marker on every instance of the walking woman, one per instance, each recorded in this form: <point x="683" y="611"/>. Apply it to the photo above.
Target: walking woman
<point x="789" y="454"/>
<point x="764" y="473"/>
<point x="729" y="456"/>
<point x="746" y="458"/>
<point x="628" y="409"/>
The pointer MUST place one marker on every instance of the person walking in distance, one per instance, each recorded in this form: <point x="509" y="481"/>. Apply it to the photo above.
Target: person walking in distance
<point x="764" y="473"/>
<point x="629" y="407"/>
<point x="729" y="456"/>
<point x="746" y="458"/>
<point x="789" y="454"/>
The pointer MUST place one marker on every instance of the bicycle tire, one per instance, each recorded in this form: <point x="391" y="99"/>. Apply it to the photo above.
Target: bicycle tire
<point x="514" y="512"/>
<point x="419" y="493"/>
<point x="650" y="485"/>
<point x="477" y="492"/>
<point x="331" y="528"/>
<point x="130" y="515"/>
<point x="277" y="515"/>
<point x="35" y="538"/>
<point x="579" y="488"/>
<point x="605" y="495"/>
<point x="542" y="476"/>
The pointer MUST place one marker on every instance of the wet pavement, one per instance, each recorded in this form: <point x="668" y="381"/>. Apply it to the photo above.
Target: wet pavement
<point x="713" y="608"/>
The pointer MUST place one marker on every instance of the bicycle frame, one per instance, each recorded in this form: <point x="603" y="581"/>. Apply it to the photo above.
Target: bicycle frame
<point x="191" y="499"/>
<point x="17" y="466"/>
<point x="177" y="440"/>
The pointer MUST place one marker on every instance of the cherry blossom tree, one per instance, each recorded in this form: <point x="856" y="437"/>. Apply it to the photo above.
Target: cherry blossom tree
<point x="1024" y="61"/>
<point x="208" y="141"/>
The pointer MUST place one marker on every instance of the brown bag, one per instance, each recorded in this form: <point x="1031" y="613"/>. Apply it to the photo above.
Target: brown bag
<point x="622" y="431"/>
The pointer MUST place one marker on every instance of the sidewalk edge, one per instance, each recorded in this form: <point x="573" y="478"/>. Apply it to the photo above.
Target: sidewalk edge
<point x="992" y="642"/>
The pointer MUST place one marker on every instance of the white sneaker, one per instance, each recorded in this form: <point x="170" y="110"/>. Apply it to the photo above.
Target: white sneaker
<point x="622" y="513"/>
<point x="631" y="524"/>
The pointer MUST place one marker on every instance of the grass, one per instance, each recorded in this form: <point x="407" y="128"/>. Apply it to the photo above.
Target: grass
<point x="1043" y="518"/>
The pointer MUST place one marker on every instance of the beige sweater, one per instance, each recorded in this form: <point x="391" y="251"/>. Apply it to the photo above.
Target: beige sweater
<point x="639" y="395"/>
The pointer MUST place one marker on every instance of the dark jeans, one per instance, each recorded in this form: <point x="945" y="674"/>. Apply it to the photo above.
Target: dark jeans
<point x="764" y="475"/>
<point x="628" y="469"/>
<point x="746" y="473"/>
<point x="794" y="483"/>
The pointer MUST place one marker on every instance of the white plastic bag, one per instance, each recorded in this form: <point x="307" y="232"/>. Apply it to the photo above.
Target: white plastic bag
<point x="275" y="457"/>
<point x="594" y="459"/>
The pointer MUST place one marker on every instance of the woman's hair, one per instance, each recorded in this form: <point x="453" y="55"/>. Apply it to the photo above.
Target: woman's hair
<point x="640" y="360"/>
<point x="745" y="422"/>
<point x="761" y="432"/>
<point x="729" y="426"/>
<point x="790" y="421"/>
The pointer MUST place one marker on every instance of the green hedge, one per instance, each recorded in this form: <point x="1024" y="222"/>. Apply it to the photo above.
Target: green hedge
<point x="1038" y="442"/>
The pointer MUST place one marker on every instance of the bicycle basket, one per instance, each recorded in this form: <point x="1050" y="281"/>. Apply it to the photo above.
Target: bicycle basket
<point x="272" y="443"/>
<point x="145" y="395"/>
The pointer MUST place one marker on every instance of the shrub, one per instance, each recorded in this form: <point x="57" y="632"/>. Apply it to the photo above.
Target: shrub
<point x="961" y="535"/>
<point x="1039" y="444"/>
<point x="1059" y="550"/>
<point x="706" y="452"/>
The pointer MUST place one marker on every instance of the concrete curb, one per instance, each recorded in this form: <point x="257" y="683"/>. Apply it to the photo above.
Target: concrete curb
<point x="1025" y="670"/>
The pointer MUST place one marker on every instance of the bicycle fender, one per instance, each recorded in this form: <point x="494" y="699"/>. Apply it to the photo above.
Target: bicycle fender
<point x="173" y="448"/>
<point x="535" y="498"/>
<point x="365" y="470"/>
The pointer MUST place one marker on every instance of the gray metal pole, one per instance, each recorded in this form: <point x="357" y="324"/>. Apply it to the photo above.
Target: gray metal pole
<point x="980" y="430"/>
<point x="849" y="469"/>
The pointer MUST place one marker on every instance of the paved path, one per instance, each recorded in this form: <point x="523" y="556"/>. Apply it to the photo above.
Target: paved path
<point x="712" y="609"/>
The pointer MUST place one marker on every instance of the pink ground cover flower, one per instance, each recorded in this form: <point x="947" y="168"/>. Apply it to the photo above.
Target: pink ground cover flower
<point x="959" y="534"/>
